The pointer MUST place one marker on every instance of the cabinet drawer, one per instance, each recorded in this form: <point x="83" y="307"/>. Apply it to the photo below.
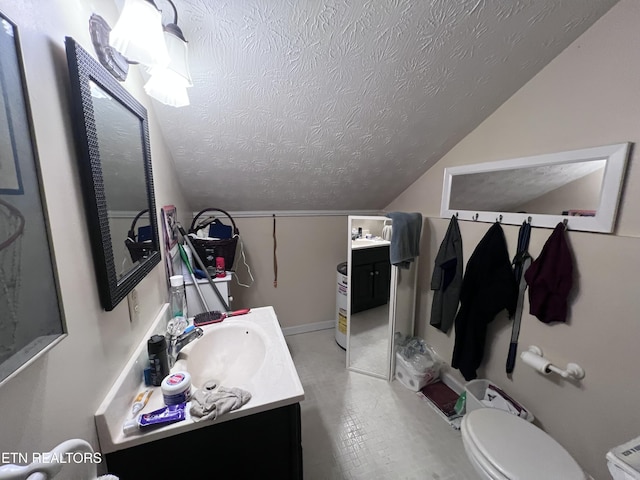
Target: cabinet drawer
<point x="363" y="256"/>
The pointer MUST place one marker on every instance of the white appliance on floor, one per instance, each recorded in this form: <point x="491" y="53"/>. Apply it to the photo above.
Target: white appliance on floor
<point x="503" y="446"/>
<point x="341" y="305"/>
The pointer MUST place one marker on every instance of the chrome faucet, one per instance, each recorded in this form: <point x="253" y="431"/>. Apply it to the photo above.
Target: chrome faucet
<point x="178" y="342"/>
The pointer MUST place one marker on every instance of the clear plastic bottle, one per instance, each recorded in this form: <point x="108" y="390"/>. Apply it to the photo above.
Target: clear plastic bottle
<point x="177" y="297"/>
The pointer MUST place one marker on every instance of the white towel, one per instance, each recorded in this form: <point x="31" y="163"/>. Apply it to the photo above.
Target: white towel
<point x="209" y="404"/>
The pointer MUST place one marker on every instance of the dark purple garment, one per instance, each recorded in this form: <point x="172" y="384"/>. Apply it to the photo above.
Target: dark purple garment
<point x="550" y="278"/>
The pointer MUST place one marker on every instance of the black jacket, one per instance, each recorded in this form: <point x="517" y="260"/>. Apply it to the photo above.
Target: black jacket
<point x="488" y="287"/>
<point x="446" y="279"/>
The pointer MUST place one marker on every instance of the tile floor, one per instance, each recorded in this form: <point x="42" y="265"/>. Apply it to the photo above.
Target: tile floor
<point x="358" y="427"/>
<point x="369" y="344"/>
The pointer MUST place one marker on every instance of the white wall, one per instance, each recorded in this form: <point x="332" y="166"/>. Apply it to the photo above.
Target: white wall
<point x="587" y="96"/>
<point x="55" y="398"/>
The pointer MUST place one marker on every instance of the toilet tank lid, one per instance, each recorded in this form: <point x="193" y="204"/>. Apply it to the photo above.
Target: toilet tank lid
<point x="518" y="449"/>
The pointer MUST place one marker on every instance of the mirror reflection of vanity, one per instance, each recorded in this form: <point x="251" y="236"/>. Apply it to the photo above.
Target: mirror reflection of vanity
<point x="380" y="298"/>
<point x="112" y="138"/>
<point x="581" y="187"/>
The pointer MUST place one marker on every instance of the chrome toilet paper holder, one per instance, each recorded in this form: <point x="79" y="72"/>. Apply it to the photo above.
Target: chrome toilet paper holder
<point x="573" y="370"/>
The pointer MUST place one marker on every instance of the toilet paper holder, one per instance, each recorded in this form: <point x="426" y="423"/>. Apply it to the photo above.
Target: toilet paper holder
<point x="573" y="370"/>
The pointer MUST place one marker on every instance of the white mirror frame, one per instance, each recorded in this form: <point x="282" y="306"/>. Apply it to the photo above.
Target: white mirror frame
<point x="388" y="375"/>
<point x="604" y="220"/>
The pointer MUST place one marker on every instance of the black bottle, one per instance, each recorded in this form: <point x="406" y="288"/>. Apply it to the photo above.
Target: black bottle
<point x="158" y="359"/>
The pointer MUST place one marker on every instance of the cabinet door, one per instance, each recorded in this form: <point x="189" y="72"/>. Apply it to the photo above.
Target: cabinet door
<point x="361" y="287"/>
<point x="381" y="283"/>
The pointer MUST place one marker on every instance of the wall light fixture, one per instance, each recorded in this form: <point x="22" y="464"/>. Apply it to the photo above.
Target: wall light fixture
<point x="139" y="37"/>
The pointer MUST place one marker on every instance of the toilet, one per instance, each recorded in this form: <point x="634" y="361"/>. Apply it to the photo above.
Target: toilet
<point x="503" y="446"/>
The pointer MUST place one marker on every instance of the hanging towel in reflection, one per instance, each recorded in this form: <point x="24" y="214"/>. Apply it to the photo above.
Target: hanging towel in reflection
<point x="405" y="241"/>
<point x="446" y="279"/>
<point x="550" y="278"/>
<point x="488" y="287"/>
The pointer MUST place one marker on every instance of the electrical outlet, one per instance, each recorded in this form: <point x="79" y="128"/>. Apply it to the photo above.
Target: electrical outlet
<point x="134" y="306"/>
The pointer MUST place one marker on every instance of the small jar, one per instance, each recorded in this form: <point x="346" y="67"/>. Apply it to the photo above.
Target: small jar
<point x="176" y="388"/>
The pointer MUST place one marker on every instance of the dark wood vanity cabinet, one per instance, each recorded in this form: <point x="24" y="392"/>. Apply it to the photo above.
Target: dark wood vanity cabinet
<point x="263" y="445"/>
<point x="370" y="278"/>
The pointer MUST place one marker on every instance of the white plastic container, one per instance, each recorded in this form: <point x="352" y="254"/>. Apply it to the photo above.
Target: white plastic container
<point x="407" y="375"/>
<point x="624" y="461"/>
<point x="177" y="297"/>
<point x="176" y="388"/>
<point x="475" y="390"/>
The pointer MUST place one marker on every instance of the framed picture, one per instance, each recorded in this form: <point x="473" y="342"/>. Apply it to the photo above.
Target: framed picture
<point x="170" y="233"/>
<point x="10" y="123"/>
<point x="170" y="220"/>
<point x="31" y="316"/>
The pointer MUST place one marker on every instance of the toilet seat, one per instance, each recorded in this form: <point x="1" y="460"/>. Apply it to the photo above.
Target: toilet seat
<point x="507" y="447"/>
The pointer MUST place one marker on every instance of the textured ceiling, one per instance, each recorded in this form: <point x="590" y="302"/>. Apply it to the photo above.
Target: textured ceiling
<point x="341" y="105"/>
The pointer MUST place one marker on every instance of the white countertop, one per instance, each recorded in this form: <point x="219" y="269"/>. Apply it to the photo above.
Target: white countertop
<point x="360" y="243"/>
<point x="276" y="385"/>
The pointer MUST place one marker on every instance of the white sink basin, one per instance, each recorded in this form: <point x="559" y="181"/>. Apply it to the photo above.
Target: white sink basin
<point x="367" y="243"/>
<point x="248" y="352"/>
<point x="231" y="353"/>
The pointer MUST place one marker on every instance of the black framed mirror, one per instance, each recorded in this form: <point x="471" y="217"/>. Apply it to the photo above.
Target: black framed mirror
<point x="112" y="138"/>
<point x="31" y="314"/>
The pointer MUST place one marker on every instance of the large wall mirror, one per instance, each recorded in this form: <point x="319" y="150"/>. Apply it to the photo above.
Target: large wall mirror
<point x="112" y="137"/>
<point x="580" y="186"/>
<point x="31" y="318"/>
<point x="380" y="298"/>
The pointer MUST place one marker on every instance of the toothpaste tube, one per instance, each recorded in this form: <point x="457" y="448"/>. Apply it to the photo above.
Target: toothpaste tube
<point x="164" y="416"/>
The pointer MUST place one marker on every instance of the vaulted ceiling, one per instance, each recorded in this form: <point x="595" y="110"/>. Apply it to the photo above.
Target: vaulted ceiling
<point x="342" y="104"/>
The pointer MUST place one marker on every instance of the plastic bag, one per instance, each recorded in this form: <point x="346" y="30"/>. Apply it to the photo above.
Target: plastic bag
<point x="419" y="356"/>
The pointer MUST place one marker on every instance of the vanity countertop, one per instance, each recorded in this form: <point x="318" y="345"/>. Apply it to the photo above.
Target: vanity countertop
<point x="275" y="384"/>
<point x="360" y="243"/>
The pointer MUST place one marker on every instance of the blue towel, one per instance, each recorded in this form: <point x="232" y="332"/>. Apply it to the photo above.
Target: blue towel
<point x="405" y="238"/>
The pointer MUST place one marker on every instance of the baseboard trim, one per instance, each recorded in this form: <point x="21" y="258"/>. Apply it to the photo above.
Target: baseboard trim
<point x="308" y="327"/>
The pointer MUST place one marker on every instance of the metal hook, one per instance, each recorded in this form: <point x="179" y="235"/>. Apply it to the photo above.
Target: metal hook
<point x="566" y="223"/>
<point x="475" y="217"/>
<point x="529" y="220"/>
<point x="499" y="219"/>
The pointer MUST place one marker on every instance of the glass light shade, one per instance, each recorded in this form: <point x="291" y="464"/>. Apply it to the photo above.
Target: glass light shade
<point x="138" y="34"/>
<point x="167" y="87"/>
<point x="179" y="54"/>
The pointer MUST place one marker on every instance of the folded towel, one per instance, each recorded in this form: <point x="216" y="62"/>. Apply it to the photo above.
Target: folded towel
<point x="405" y="240"/>
<point x="209" y="404"/>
